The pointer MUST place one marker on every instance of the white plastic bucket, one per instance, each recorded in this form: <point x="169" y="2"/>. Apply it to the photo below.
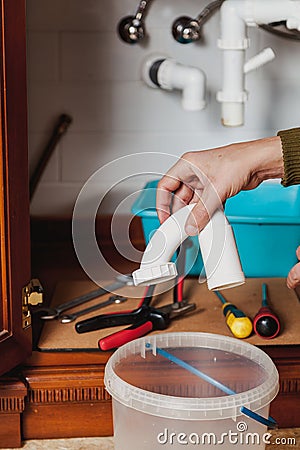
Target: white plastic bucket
<point x="158" y="404"/>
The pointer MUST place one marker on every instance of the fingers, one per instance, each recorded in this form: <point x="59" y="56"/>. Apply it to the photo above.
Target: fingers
<point x="166" y="186"/>
<point x="189" y="183"/>
<point x="174" y="181"/>
<point x="182" y="197"/>
<point x="204" y="209"/>
<point x="293" y="278"/>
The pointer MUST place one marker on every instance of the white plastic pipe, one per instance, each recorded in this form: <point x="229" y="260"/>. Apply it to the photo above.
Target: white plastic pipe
<point x="173" y="75"/>
<point x="259" y="60"/>
<point x="233" y="42"/>
<point x="236" y="15"/>
<point x="217" y="245"/>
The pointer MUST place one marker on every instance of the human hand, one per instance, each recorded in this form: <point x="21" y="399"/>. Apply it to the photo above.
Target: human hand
<point x="293" y="279"/>
<point x="209" y="177"/>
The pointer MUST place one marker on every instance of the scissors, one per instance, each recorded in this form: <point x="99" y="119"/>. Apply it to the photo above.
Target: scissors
<point x="53" y="313"/>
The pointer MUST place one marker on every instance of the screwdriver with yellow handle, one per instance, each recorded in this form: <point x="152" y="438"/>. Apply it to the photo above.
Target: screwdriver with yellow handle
<point x="239" y="324"/>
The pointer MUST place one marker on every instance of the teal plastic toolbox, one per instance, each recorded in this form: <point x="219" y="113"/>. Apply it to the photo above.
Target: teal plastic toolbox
<point x="265" y="221"/>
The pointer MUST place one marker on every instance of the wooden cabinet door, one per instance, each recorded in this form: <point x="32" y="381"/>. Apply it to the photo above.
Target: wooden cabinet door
<point x="15" y="336"/>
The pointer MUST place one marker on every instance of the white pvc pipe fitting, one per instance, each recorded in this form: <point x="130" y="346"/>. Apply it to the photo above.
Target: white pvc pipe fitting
<point x="219" y="253"/>
<point x="236" y="15"/>
<point x="217" y="244"/>
<point x="173" y="75"/>
<point x="263" y="57"/>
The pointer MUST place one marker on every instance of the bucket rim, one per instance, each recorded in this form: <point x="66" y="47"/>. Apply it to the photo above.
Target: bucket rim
<point x="210" y="408"/>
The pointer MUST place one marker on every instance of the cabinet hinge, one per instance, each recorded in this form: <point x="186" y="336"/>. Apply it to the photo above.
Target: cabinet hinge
<point x="32" y="294"/>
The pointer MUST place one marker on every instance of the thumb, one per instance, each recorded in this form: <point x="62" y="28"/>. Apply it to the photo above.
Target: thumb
<point x="203" y="211"/>
<point x="293" y="278"/>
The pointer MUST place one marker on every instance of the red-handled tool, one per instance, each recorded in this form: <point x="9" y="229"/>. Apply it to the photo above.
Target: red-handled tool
<point x="143" y="319"/>
<point x="266" y="324"/>
<point x="122" y="337"/>
<point x="155" y="319"/>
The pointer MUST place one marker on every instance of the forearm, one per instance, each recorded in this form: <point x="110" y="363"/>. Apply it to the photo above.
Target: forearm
<point x="266" y="158"/>
<point x="214" y="175"/>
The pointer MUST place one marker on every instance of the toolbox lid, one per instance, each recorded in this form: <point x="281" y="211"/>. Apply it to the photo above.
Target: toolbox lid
<point x="269" y="203"/>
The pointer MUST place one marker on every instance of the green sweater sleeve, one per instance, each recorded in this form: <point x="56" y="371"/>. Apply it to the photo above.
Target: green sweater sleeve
<point x="290" y="141"/>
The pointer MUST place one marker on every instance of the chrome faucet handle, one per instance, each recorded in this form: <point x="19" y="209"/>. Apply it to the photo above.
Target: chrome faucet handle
<point x="132" y="28"/>
<point x="186" y="29"/>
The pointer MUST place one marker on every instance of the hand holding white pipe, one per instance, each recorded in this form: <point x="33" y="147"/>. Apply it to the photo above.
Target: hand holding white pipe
<point x="218" y="249"/>
<point x="214" y="175"/>
<point x="209" y="177"/>
<point x="201" y="182"/>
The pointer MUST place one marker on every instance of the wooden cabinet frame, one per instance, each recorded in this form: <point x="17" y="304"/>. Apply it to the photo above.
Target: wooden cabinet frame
<point x="15" y="342"/>
<point x="58" y="394"/>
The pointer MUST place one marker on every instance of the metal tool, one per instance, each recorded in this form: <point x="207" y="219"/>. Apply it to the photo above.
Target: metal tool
<point x="53" y="313"/>
<point x="60" y="129"/>
<point x="239" y="324"/>
<point x="145" y="319"/>
<point x="115" y="319"/>
<point x="67" y="318"/>
<point x="266" y="324"/>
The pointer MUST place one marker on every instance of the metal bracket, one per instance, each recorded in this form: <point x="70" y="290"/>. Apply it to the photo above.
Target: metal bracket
<point x="32" y="295"/>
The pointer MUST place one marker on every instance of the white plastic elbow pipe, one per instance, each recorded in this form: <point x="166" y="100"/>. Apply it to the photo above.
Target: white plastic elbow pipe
<point x="165" y="73"/>
<point x="217" y="245"/>
<point x="236" y="15"/>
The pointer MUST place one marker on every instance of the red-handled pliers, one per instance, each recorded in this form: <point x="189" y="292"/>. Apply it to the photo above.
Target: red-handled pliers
<point x="150" y="319"/>
<point x="143" y="319"/>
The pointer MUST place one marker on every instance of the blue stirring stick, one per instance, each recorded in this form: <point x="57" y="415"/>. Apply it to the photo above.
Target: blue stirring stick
<point x="270" y="422"/>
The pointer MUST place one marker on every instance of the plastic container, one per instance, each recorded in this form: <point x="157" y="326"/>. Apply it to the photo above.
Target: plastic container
<point x="265" y="222"/>
<point x="159" y="404"/>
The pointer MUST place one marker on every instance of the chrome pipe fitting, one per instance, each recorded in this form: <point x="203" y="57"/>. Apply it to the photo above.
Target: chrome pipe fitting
<point x="132" y="28"/>
<point x="186" y="29"/>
